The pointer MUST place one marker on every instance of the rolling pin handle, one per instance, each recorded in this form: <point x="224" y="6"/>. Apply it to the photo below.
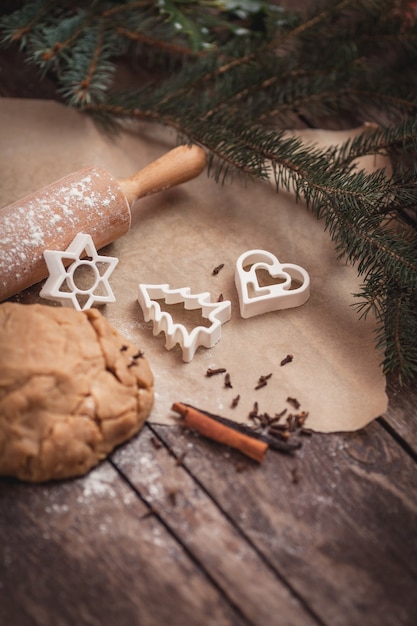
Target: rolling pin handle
<point x="175" y="167"/>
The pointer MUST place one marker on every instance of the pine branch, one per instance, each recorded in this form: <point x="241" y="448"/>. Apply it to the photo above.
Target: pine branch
<point x="17" y="26"/>
<point x="397" y="324"/>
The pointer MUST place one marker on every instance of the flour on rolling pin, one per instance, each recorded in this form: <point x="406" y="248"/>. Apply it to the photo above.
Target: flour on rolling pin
<point x="89" y="201"/>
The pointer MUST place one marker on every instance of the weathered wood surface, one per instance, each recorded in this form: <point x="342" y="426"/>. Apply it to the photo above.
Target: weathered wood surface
<point x="86" y="552"/>
<point x="179" y="530"/>
<point x="214" y="540"/>
<point x="336" y="522"/>
<point x="400" y="419"/>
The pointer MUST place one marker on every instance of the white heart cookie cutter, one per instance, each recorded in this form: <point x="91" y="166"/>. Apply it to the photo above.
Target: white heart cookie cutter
<point x="216" y="312"/>
<point x="59" y="275"/>
<point x="271" y="297"/>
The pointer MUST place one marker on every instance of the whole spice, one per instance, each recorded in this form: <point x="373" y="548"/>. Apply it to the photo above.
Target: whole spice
<point x="242" y="436"/>
<point x="263" y="381"/>
<point x="264" y="378"/>
<point x="278" y="416"/>
<point x="294" y="402"/>
<point x="213" y="429"/>
<point x="217" y="269"/>
<point x="281" y="432"/>
<point x="287" y="359"/>
<point x="301" y="418"/>
<point x="214" y="372"/>
<point x="291" y="422"/>
<point x="235" y="401"/>
<point x="227" y="382"/>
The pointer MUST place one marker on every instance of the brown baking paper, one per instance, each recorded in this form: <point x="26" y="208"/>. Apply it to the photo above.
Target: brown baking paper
<point x="178" y="237"/>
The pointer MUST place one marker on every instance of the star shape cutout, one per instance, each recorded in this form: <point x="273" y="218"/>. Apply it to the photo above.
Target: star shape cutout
<point x="84" y="281"/>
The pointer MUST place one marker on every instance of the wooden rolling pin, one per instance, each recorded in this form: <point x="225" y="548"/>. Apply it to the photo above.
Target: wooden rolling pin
<point x="90" y="201"/>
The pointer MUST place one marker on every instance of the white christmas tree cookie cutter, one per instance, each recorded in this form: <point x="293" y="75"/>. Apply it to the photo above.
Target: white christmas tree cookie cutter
<point x="63" y="284"/>
<point x="216" y="312"/>
<point x="293" y="289"/>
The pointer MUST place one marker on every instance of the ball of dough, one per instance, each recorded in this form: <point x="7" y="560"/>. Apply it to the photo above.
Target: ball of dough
<point x="71" y="389"/>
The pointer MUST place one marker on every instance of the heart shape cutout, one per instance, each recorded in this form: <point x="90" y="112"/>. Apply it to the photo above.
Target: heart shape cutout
<point x="280" y="295"/>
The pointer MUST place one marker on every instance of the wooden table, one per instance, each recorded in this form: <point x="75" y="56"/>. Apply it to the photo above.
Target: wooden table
<point x="175" y="530"/>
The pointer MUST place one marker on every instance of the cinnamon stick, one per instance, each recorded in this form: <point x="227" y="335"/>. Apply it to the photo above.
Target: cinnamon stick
<point x="202" y="423"/>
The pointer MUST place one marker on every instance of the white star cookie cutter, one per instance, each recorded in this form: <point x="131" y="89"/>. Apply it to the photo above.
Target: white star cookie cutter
<point x="63" y="283"/>
<point x="292" y="290"/>
<point x="216" y="312"/>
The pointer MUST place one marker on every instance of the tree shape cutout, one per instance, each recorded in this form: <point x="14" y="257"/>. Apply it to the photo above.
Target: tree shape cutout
<point x="216" y="312"/>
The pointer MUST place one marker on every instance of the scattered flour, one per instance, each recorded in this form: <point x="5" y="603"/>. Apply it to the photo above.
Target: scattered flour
<point x="99" y="483"/>
<point x="51" y="217"/>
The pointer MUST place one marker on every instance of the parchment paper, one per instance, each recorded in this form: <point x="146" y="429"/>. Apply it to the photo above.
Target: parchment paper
<point x="178" y="237"/>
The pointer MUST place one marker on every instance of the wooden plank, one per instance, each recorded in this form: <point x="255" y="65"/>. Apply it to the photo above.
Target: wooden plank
<point x="337" y="521"/>
<point x="401" y="416"/>
<point x="215" y="543"/>
<point x="81" y="552"/>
